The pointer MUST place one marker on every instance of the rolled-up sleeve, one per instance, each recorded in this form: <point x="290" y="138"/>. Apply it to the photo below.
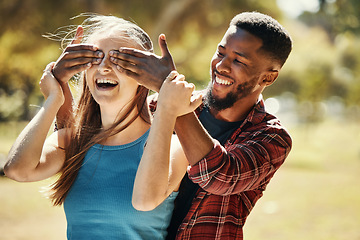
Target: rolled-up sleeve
<point x="246" y="164"/>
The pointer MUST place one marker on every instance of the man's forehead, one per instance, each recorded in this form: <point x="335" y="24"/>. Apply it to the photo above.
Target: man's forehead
<point x="240" y="38"/>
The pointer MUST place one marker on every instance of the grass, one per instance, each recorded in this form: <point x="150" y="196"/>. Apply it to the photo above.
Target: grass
<point x="26" y="215"/>
<point x="315" y="195"/>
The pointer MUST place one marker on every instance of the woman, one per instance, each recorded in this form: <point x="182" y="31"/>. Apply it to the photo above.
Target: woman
<point x="98" y="153"/>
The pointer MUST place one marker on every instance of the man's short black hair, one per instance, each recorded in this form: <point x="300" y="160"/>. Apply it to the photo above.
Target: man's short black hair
<point x="276" y="40"/>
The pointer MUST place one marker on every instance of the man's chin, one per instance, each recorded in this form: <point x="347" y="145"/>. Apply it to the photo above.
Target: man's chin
<point x="214" y="102"/>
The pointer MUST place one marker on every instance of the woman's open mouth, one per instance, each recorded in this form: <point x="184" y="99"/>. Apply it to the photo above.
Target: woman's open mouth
<point x="106" y="83"/>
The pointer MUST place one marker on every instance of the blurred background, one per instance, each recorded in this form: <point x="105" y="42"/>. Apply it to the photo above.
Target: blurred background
<point x="315" y="195"/>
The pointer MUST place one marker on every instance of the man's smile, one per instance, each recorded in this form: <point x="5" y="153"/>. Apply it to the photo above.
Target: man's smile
<point x="222" y="80"/>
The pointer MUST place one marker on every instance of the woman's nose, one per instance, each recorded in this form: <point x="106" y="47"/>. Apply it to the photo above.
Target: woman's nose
<point x="105" y="65"/>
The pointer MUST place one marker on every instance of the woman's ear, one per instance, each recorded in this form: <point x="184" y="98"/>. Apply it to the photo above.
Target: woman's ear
<point x="270" y="77"/>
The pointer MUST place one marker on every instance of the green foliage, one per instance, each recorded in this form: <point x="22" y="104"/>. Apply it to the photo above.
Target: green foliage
<point x="324" y="62"/>
<point x="192" y="28"/>
<point x="336" y="17"/>
<point x="21" y="65"/>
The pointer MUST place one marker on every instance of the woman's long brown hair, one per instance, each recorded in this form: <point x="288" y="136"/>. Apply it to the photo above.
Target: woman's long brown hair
<point x="85" y="127"/>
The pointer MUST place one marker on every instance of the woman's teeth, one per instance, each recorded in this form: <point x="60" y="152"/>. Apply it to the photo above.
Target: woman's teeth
<point x="105" y="81"/>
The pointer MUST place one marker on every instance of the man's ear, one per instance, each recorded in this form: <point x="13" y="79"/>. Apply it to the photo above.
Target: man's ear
<point x="270" y="77"/>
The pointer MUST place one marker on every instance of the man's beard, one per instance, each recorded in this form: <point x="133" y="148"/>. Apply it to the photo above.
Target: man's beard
<point x="218" y="104"/>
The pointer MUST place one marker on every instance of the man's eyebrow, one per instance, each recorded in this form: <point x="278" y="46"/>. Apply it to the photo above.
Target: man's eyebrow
<point x="237" y="53"/>
<point x="242" y="55"/>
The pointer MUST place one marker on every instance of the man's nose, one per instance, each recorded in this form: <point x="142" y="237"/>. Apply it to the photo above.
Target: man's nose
<point x="224" y="65"/>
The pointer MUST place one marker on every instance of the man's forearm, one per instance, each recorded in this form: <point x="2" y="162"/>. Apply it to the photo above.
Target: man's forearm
<point x="194" y="139"/>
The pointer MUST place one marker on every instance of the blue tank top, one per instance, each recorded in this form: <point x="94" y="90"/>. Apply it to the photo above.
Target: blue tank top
<point x="98" y="205"/>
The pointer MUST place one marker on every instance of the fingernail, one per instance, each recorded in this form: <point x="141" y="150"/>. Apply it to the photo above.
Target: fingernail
<point x="99" y="54"/>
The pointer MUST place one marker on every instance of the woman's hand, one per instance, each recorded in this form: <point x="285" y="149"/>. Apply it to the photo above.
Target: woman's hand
<point x="49" y="86"/>
<point x="175" y="96"/>
<point x="76" y="58"/>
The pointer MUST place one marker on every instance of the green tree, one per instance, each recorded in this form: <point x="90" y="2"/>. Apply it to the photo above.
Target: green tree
<point x="193" y="28"/>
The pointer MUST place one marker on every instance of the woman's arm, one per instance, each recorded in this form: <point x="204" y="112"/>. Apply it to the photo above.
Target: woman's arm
<point x="161" y="169"/>
<point x="31" y="158"/>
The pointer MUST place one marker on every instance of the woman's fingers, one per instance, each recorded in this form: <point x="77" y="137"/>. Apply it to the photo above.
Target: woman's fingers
<point x="176" y="95"/>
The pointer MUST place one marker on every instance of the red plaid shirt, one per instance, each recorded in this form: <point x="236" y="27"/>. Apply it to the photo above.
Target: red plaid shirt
<point x="233" y="177"/>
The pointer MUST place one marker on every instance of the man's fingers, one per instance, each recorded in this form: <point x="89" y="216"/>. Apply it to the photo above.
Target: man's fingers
<point x="79" y="68"/>
<point x="83" y="54"/>
<point x="128" y="73"/>
<point x="129" y="53"/>
<point x="81" y="47"/>
<point x="126" y="65"/>
<point x="163" y="46"/>
<point x="78" y="35"/>
<point x="165" y="50"/>
<point x="129" y="59"/>
<point x="140" y="54"/>
<point x="73" y="62"/>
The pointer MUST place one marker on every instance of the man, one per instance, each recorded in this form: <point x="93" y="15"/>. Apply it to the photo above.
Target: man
<point x="234" y="159"/>
<point x="233" y="145"/>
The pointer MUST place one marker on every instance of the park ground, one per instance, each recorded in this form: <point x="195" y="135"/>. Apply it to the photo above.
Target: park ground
<point x="315" y="195"/>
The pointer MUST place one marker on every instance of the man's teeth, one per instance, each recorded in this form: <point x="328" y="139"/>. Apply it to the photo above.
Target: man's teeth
<point x="222" y="81"/>
<point x="105" y="81"/>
